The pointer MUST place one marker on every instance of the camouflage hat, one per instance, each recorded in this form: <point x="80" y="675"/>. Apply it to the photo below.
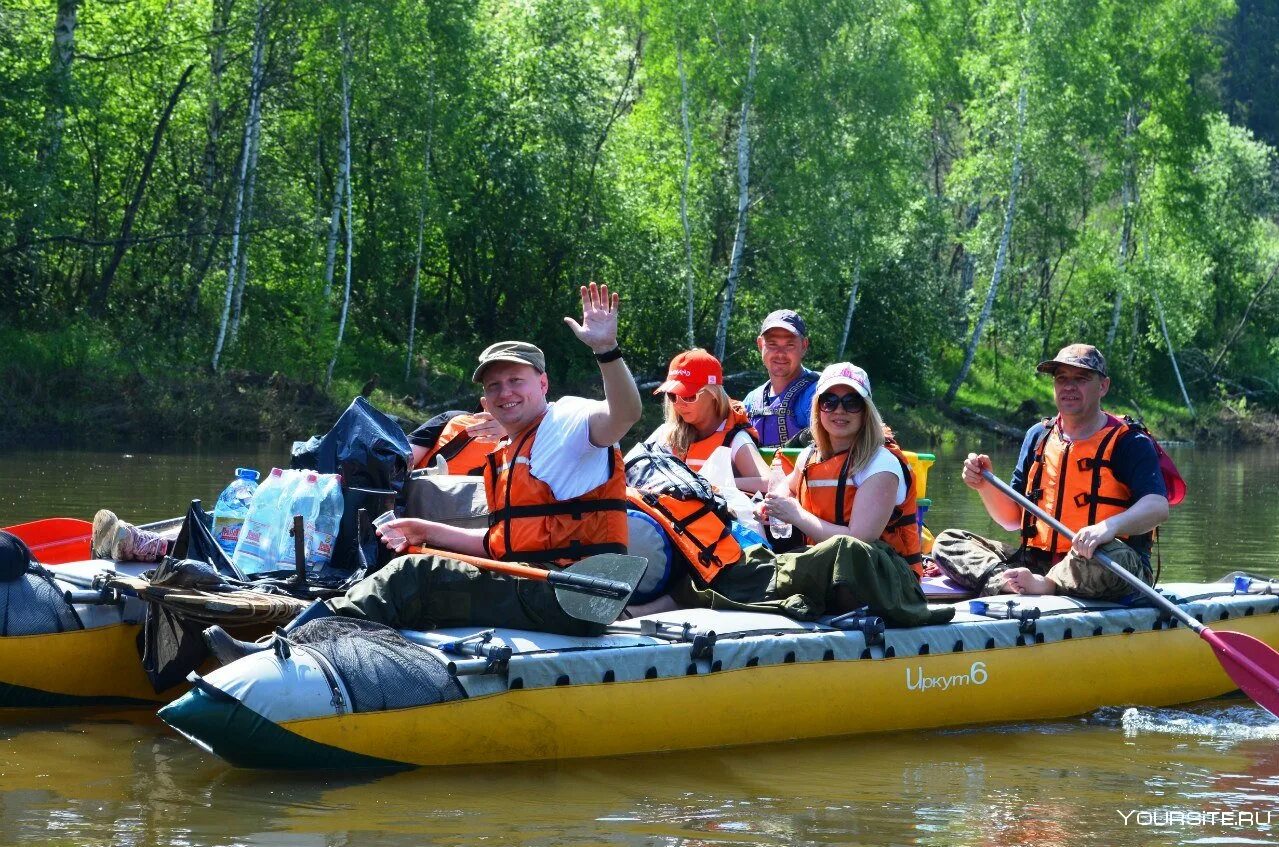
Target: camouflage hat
<point x="517" y="352"/>
<point x="1083" y="356"/>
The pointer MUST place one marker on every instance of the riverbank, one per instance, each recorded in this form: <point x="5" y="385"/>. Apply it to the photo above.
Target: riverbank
<point x="78" y="407"/>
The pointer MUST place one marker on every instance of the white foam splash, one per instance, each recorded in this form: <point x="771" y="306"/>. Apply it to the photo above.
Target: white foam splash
<point x="1232" y="723"/>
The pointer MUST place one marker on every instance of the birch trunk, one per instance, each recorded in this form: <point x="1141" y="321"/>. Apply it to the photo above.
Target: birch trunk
<point x="1172" y="354"/>
<point x="417" y="272"/>
<point x="246" y="221"/>
<point x="683" y="191"/>
<point x="1125" y="237"/>
<point x="335" y="216"/>
<point x="1000" y="258"/>
<point x="350" y="219"/>
<point x="58" y="96"/>
<point x="421" y="223"/>
<point x="60" y="59"/>
<point x="743" y="203"/>
<point x="255" y="74"/>
<point x="852" y="307"/>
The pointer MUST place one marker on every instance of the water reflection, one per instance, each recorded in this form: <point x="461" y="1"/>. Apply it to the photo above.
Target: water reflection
<point x="124" y="781"/>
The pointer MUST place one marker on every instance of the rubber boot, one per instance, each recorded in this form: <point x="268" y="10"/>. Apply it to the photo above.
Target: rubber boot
<point x="228" y="648"/>
<point x="123" y="542"/>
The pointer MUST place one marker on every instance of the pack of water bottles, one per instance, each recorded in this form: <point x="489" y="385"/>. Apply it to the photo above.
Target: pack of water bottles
<point x="266" y="544"/>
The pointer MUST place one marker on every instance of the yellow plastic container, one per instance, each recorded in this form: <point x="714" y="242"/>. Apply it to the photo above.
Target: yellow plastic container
<point x="919" y="465"/>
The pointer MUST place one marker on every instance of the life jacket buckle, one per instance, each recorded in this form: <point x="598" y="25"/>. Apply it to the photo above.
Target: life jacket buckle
<point x="1082" y="499"/>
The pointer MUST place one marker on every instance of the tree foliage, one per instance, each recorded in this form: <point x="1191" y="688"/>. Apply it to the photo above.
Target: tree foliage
<point x="538" y="145"/>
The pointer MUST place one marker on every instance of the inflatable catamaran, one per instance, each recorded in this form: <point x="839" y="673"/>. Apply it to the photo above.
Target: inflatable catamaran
<point x="701" y="678"/>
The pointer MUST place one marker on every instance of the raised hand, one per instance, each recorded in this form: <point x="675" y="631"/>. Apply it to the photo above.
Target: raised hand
<point x="487" y="429"/>
<point x="598" y="329"/>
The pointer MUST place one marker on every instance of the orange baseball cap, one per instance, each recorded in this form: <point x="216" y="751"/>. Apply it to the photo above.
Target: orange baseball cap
<point x="690" y="372"/>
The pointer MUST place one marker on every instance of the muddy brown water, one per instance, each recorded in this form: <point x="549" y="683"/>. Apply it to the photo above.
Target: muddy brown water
<point x="1207" y="773"/>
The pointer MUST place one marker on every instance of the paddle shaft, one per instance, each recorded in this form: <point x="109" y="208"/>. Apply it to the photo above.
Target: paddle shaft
<point x="1110" y="564"/>
<point x="560" y="579"/>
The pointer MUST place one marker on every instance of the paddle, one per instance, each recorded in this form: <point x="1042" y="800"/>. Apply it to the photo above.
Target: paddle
<point x="1252" y="664"/>
<point x="56" y="541"/>
<point x="596" y="589"/>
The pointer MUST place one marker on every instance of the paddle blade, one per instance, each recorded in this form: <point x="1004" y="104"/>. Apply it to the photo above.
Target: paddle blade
<point x="55" y="541"/>
<point x="1252" y="664"/>
<point x="611" y="566"/>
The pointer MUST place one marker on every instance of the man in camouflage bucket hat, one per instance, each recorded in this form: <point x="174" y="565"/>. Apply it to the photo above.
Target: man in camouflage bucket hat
<point x="1090" y="470"/>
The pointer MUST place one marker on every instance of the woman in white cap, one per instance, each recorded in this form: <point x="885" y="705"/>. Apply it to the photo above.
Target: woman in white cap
<point x="701" y="418"/>
<point x="854" y="479"/>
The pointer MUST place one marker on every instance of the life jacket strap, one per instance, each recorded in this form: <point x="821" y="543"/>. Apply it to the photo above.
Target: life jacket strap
<point x="574" y="508"/>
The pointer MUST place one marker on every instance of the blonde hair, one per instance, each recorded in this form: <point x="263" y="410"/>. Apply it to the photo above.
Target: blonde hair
<point x="869" y="438"/>
<point x="680" y="434"/>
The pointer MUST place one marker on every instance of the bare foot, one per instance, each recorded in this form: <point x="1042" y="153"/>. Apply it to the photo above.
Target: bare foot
<point x="1024" y="581"/>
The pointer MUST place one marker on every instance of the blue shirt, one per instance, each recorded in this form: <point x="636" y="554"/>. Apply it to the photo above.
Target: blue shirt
<point x="763" y="408"/>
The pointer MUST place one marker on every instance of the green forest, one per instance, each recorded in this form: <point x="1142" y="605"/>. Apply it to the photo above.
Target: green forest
<point x="204" y="197"/>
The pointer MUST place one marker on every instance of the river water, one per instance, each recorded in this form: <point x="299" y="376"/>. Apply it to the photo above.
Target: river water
<point x="1202" y="774"/>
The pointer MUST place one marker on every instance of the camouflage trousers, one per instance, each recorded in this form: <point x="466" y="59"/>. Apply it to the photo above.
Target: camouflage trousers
<point x="430" y="592"/>
<point x="977" y="563"/>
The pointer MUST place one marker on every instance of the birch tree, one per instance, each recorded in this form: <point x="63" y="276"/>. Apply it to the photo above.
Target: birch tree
<point x="1001" y="257"/>
<point x="421" y="225"/>
<point x="350" y="219"/>
<point x="743" y="204"/>
<point x="1129" y="200"/>
<point x="852" y="307"/>
<point x="246" y="222"/>
<point x="255" y="85"/>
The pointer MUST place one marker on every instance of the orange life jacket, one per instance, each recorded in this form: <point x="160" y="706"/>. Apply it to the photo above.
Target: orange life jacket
<point x="826" y="491"/>
<point x="463" y="454"/>
<point x="737" y="421"/>
<point x="1074" y="481"/>
<point x="699" y="530"/>
<point x="528" y="523"/>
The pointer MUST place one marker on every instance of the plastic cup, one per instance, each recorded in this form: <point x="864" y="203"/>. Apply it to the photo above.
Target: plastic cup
<point x="390" y="537"/>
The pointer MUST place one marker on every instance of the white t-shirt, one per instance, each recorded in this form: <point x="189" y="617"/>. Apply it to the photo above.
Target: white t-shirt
<point x="882" y="462"/>
<point x="563" y="456"/>
<point x="740" y="439"/>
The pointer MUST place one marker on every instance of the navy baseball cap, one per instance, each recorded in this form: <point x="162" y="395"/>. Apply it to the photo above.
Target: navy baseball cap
<point x="787" y="319"/>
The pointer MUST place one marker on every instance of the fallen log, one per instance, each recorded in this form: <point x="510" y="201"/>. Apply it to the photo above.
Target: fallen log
<point x="966" y="415"/>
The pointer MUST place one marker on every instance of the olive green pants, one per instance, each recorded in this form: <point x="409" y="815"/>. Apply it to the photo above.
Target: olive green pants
<point x="831" y="577"/>
<point x="978" y="563"/>
<point x="430" y="592"/>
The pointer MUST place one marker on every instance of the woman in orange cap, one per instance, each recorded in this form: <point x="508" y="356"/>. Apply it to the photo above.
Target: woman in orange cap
<point x="701" y="417"/>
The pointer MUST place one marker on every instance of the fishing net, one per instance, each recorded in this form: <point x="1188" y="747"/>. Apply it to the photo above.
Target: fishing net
<point x="32" y="604"/>
<point x="380" y="668"/>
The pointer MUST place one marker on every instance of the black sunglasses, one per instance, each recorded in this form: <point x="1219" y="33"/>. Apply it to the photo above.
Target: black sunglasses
<point x="851" y="402"/>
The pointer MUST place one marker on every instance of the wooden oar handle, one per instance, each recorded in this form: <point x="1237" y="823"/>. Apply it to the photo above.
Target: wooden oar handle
<point x="596" y="585"/>
<point x="509" y="568"/>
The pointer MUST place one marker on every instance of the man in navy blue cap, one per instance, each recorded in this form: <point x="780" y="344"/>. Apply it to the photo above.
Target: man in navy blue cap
<point x="781" y="408"/>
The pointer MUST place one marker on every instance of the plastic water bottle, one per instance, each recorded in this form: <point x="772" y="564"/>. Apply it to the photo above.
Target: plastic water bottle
<point x="778" y="486"/>
<point x="304" y="500"/>
<point x="255" y="551"/>
<point x="233" y="507"/>
<point x="322" y="531"/>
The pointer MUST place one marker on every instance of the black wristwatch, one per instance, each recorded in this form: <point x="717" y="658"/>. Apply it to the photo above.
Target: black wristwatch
<point x="609" y="355"/>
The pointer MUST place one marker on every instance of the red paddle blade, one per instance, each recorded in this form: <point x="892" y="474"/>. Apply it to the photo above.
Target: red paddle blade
<point x="1252" y="664"/>
<point x="55" y="541"/>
